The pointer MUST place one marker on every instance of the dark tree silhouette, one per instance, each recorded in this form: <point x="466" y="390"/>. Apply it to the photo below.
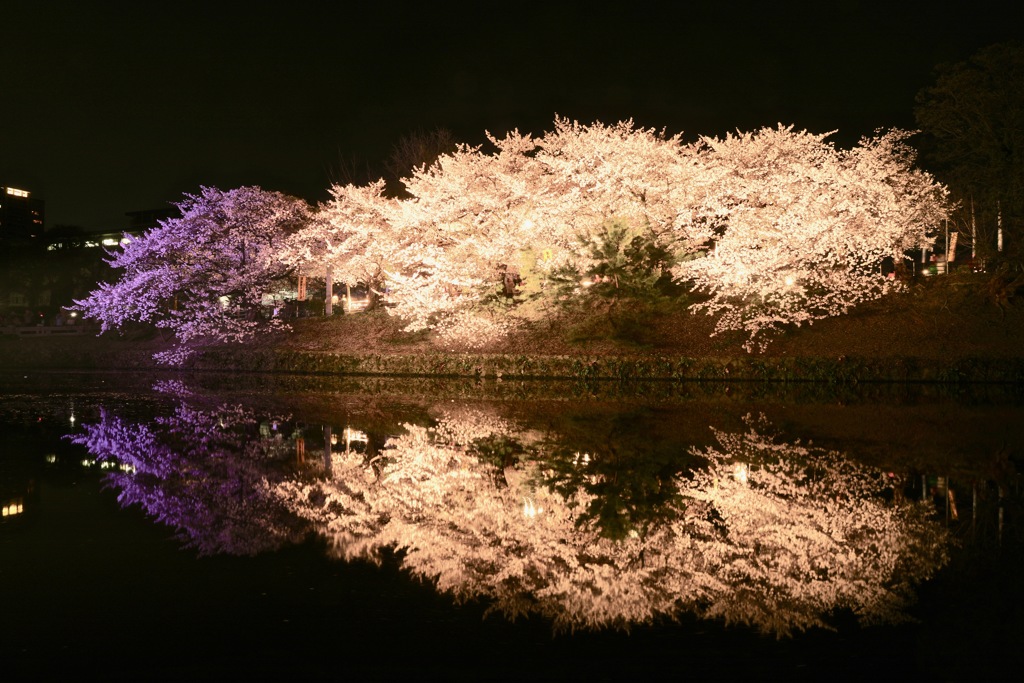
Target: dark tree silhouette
<point x="973" y="120"/>
<point x="414" y="150"/>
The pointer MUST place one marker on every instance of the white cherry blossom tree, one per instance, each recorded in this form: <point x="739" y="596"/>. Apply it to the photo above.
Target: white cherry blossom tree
<point x="803" y="227"/>
<point x="777" y="227"/>
<point x="472" y="217"/>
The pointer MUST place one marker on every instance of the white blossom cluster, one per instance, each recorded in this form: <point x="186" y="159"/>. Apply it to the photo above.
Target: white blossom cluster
<point x="778" y="227"/>
<point x="803" y="228"/>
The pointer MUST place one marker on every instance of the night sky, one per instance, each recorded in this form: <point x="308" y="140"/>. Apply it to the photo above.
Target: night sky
<point x="114" y="107"/>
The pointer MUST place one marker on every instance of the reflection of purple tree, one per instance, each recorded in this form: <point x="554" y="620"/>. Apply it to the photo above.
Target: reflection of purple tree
<point x="204" y="473"/>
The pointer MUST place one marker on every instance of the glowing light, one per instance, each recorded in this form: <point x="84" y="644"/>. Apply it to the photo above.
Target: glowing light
<point x="354" y="436"/>
<point x="15" y="507"/>
<point x="531" y="509"/>
<point x="16" y="193"/>
<point x="739" y="473"/>
<point x="356" y="305"/>
<point x="790" y="280"/>
<point x="109" y="242"/>
<point x="51" y="458"/>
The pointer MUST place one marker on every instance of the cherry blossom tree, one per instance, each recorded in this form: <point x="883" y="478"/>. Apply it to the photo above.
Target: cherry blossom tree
<point x="350" y="235"/>
<point x="638" y="176"/>
<point x="470" y="213"/>
<point x="802" y="227"/>
<point x="202" y="275"/>
<point x="777" y="227"/>
<point x="472" y="218"/>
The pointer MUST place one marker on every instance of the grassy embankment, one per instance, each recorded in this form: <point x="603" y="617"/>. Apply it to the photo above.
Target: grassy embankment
<point x="956" y="328"/>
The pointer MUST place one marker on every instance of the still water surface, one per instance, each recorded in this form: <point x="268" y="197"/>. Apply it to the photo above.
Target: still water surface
<point x="204" y="526"/>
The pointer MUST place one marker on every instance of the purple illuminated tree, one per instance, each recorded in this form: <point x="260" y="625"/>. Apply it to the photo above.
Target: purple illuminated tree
<point x="202" y="275"/>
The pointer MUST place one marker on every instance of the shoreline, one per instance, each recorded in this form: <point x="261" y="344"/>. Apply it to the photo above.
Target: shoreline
<point x="116" y="354"/>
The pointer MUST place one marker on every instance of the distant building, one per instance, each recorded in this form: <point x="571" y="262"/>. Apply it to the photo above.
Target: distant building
<point x="21" y="215"/>
<point x="138" y="223"/>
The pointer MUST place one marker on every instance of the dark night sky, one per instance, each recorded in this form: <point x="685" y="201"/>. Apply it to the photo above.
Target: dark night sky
<point x="113" y="107"/>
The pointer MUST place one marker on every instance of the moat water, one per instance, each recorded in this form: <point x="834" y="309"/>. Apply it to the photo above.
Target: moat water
<point x="205" y="526"/>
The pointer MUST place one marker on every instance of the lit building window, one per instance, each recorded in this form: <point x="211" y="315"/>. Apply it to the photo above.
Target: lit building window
<point x="16" y="193"/>
<point x="15" y="507"/>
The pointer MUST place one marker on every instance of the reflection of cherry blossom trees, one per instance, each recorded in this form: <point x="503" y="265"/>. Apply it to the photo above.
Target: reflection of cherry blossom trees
<point x="779" y="536"/>
<point x="774" y="535"/>
<point x="201" y="472"/>
<point x="801" y="531"/>
<point x="202" y="275"/>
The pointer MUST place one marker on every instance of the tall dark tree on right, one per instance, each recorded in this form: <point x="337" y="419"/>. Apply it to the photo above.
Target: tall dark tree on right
<point x="973" y="118"/>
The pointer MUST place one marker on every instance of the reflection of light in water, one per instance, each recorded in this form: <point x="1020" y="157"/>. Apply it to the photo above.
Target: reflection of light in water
<point x="354" y="436"/>
<point x="531" y="509"/>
